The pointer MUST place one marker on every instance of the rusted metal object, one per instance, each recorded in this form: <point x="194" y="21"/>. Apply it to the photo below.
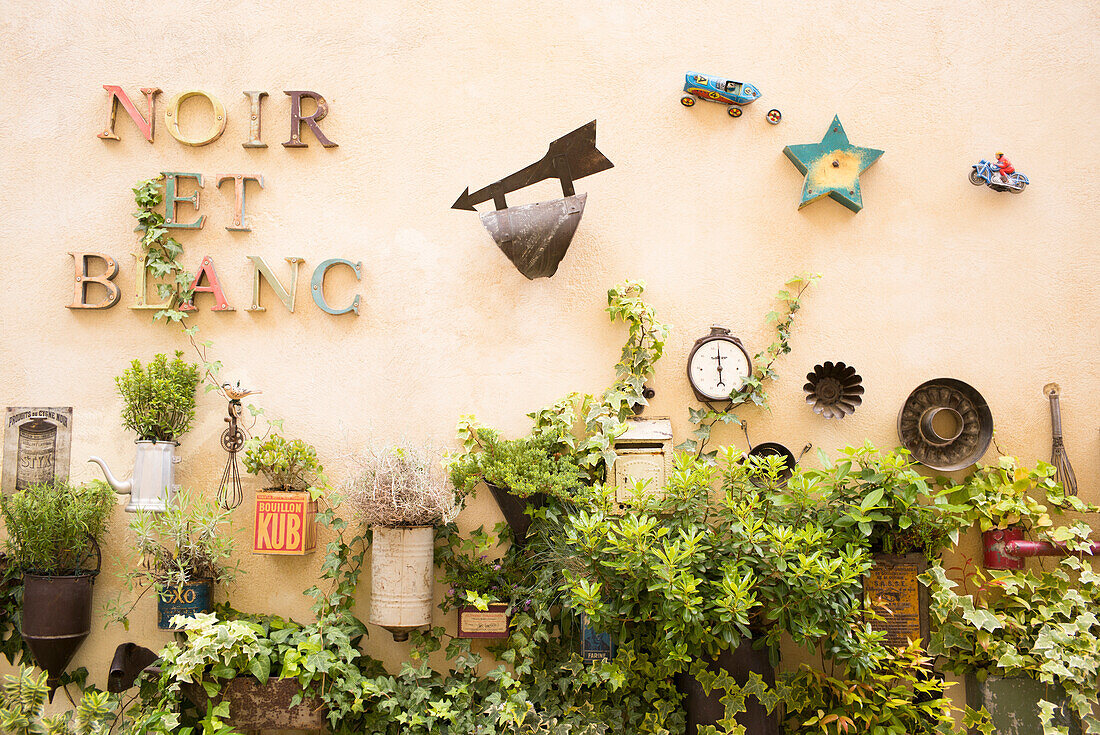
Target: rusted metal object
<point x="57" y="617"/>
<point x="115" y="96"/>
<point x="945" y="424"/>
<point x="297" y="118"/>
<point x="1006" y="548"/>
<point x="402" y="578"/>
<point x="255" y="97"/>
<point x="898" y="597"/>
<point x="775" y="449"/>
<point x="1058" y="456"/>
<point x="703" y="709"/>
<point x="536" y="236"/>
<point x="129" y="661"/>
<point x="834" y="390"/>
<point x="217" y="122"/>
<point x="239" y="181"/>
<point x="83" y="278"/>
<point x="256" y="706"/>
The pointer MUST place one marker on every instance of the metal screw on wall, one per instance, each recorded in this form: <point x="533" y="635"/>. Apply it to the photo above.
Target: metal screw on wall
<point x="1058" y="456"/>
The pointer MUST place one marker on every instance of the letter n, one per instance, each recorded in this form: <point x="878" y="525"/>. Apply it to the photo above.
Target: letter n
<point x="144" y="124"/>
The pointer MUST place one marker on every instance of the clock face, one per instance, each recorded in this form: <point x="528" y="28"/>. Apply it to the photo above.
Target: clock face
<point x="718" y="368"/>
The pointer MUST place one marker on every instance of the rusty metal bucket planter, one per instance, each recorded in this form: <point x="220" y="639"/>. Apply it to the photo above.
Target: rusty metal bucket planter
<point x="703" y="710"/>
<point x="256" y="706"/>
<point x="57" y="617"/>
<point x="1014" y="704"/>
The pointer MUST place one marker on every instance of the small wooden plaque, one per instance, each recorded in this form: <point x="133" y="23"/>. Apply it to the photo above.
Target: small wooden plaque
<point x="491" y="623"/>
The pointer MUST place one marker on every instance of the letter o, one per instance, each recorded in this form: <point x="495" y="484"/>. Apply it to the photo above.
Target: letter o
<point x="172" y="118"/>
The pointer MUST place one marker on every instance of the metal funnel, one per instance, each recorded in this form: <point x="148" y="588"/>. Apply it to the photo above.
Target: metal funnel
<point x="536" y="236"/>
<point x="57" y="617"/>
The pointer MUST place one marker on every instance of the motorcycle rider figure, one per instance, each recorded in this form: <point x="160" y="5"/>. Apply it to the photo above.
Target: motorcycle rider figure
<point x="1004" y="167"/>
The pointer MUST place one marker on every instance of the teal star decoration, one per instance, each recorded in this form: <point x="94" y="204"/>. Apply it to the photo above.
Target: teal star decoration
<point x="832" y="167"/>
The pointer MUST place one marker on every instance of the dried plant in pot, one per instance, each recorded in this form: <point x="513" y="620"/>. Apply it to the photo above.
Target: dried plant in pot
<point x="53" y="534"/>
<point x="182" y="555"/>
<point x="158" y="406"/>
<point x="402" y="493"/>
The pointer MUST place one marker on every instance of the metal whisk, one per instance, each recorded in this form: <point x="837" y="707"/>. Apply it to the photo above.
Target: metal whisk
<point x="1058" y="456"/>
<point x="230" y="494"/>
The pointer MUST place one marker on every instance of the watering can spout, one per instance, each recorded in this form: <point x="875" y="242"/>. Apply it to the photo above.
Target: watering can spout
<point x="119" y="486"/>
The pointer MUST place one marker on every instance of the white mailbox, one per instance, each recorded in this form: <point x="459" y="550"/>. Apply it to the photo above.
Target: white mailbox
<point x="644" y="452"/>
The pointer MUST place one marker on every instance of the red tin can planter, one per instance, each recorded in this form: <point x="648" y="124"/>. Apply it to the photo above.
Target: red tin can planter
<point x="190" y="599"/>
<point x="256" y="706"/>
<point x="285" y="523"/>
<point x="491" y="623"/>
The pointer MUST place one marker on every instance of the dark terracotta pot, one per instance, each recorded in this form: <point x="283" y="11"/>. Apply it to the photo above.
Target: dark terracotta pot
<point x="57" y="617"/>
<point x="256" y="706"/>
<point x="1014" y="704"/>
<point x="703" y="710"/>
<point x="514" y="509"/>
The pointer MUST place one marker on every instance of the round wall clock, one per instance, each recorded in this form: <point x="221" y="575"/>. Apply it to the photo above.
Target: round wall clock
<point x="718" y="365"/>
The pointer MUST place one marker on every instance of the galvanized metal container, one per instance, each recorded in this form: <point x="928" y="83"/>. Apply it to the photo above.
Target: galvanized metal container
<point x="154" y="479"/>
<point x="401" y="578"/>
<point x="256" y="706"/>
<point x="57" y="617"/>
<point x="194" y="597"/>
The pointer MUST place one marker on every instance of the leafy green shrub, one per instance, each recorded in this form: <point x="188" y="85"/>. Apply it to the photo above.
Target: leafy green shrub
<point x="159" y="398"/>
<point x="187" y="542"/>
<point x="883" y="502"/>
<point x="524" y="467"/>
<point x="287" y="465"/>
<point x="23" y="699"/>
<point x="474" y="578"/>
<point x="1000" y="496"/>
<point x="53" y="527"/>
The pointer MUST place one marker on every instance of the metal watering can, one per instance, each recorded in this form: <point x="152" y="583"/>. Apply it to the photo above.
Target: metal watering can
<point x="153" y="482"/>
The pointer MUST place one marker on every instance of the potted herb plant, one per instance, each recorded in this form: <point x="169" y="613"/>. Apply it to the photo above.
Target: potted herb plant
<point x="881" y="502"/>
<point x="159" y="406"/>
<point x="520" y="473"/>
<point x="402" y="493"/>
<point x="285" y="519"/>
<point x="1026" y="638"/>
<point x="481" y="588"/>
<point x="53" y="534"/>
<point x="182" y="554"/>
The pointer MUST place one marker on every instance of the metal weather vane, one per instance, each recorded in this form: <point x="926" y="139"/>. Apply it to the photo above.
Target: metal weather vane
<point x="536" y="236"/>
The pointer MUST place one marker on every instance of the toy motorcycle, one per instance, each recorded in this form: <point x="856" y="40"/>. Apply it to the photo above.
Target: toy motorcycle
<point x="989" y="174"/>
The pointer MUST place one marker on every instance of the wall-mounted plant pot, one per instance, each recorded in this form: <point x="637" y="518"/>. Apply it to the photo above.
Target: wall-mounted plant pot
<point x="154" y="478"/>
<point x="514" y="509"/>
<point x="897" y="596"/>
<point x="285" y="523"/>
<point x="256" y="706"/>
<point x="193" y="598"/>
<point x="402" y="564"/>
<point x="703" y="709"/>
<point x="1014" y="704"/>
<point x="57" y="617"/>
<point x="491" y="623"/>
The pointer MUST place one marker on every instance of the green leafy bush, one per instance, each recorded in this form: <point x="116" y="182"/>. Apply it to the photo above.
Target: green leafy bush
<point x="473" y="578"/>
<point x="1000" y="496"/>
<point x="53" y="527"/>
<point x="287" y="465"/>
<point x="159" y="398"/>
<point x="23" y="701"/>
<point x="883" y="502"/>
<point x="187" y="542"/>
<point x="525" y="467"/>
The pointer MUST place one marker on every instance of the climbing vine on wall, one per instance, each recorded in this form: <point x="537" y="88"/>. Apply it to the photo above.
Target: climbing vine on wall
<point x="162" y="252"/>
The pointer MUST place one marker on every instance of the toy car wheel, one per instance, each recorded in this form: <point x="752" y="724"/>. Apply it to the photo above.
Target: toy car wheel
<point x="735" y="111"/>
<point x="774" y="116"/>
<point x="687" y="100"/>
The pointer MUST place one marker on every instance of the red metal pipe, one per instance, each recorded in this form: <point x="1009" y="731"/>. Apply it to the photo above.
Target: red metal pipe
<point x="1006" y="548"/>
<point x="1044" y="548"/>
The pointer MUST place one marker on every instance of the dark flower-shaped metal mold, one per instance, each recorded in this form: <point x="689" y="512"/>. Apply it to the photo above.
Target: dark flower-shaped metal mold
<point x="834" y="390"/>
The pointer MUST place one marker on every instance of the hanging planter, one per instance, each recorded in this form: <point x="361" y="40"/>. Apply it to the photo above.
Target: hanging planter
<point x="192" y="598"/>
<point x="401" y="578"/>
<point x="153" y="481"/>
<point x="285" y="522"/>
<point x="256" y="706"/>
<point x="514" y="509"/>
<point x="898" y="597"/>
<point x="57" y="617"/>
<point x="707" y="709"/>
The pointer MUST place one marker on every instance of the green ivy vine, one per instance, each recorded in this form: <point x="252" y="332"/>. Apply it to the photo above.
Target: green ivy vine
<point x="162" y="252"/>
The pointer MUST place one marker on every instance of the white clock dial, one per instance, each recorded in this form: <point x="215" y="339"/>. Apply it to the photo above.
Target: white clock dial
<point x="718" y="368"/>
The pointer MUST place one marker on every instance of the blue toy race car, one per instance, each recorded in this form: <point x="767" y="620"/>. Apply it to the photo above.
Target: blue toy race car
<point x="723" y="91"/>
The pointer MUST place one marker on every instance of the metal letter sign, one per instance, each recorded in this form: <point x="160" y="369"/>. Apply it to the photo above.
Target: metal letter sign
<point x="36" y="446"/>
<point x="317" y="286"/>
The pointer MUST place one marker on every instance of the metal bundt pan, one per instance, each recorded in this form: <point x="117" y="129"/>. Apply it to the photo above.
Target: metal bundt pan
<point x="973" y="419"/>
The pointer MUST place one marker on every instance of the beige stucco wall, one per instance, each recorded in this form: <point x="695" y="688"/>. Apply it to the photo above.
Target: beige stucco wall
<point x="935" y="278"/>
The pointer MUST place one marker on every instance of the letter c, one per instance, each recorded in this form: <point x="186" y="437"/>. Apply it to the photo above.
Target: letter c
<point x="317" y="285"/>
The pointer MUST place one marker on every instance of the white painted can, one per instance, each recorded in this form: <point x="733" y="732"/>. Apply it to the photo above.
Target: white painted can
<point x="153" y="482"/>
<point x="402" y="563"/>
